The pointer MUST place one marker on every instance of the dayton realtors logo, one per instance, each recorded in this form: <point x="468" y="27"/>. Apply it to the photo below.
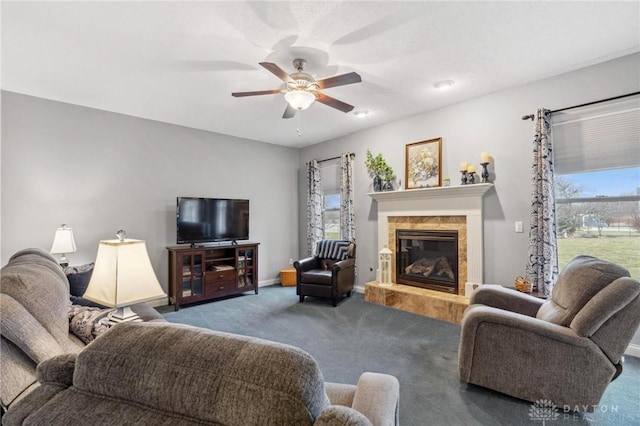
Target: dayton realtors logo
<point x="543" y="410"/>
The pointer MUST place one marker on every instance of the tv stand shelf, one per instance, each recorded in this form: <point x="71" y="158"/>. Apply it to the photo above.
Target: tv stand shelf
<point x="211" y="272"/>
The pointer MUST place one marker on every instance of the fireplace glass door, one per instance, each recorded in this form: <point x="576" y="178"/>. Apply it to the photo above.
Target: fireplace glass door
<point x="427" y="259"/>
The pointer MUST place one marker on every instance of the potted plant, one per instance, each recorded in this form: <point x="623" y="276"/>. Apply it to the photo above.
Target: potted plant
<point x="387" y="178"/>
<point x="379" y="169"/>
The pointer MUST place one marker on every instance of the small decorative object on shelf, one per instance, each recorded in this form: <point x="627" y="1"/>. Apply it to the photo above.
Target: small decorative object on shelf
<point x="381" y="172"/>
<point x="471" y="178"/>
<point x="484" y="158"/>
<point x="463" y="170"/>
<point x="485" y="173"/>
<point x="446" y="182"/>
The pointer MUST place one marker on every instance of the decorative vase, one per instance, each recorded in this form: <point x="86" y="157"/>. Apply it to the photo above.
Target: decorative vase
<point x="387" y="186"/>
<point x="377" y="184"/>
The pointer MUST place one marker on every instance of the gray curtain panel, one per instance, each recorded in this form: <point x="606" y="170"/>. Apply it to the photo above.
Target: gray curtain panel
<point x="314" y="206"/>
<point x="542" y="265"/>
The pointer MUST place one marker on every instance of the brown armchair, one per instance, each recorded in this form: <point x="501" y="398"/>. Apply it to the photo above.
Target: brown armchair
<point x="566" y="349"/>
<point x="330" y="273"/>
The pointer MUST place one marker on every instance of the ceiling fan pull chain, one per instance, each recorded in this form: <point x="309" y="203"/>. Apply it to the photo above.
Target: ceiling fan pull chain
<point x="298" y="119"/>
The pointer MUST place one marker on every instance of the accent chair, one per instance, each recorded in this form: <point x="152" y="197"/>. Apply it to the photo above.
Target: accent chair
<point x="330" y="273"/>
<point x="566" y="349"/>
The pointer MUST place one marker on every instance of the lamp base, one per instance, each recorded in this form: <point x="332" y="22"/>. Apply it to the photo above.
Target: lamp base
<point x="63" y="261"/>
<point x="124" y="314"/>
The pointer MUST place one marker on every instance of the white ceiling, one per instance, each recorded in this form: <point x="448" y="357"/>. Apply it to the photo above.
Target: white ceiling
<point x="178" y="62"/>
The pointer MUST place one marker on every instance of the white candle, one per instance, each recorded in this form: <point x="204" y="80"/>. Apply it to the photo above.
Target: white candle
<point x="484" y="157"/>
<point x="463" y="167"/>
<point x="471" y="169"/>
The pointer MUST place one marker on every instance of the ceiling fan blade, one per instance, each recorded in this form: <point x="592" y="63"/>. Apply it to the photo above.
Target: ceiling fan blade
<point x="277" y="71"/>
<point x="289" y="112"/>
<point x="333" y="102"/>
<point x="339" y="80"/>
<point x="261" y="92"/>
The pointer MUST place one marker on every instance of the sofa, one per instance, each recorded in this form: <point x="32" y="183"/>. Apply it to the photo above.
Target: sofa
<point x="566" y="349"/>
<point x="170" y="374"/>
<point x="35" y="321"/>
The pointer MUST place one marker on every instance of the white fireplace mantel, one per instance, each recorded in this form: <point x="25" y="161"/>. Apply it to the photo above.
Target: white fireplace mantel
<point x="462" y="200"/>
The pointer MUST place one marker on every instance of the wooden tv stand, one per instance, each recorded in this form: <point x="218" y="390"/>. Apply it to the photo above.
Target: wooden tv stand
<point x="208" y="272"/>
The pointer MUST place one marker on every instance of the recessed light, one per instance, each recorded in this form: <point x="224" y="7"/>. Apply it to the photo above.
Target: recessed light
<point x="361" y="114"/>
<point x="444" y="84"/>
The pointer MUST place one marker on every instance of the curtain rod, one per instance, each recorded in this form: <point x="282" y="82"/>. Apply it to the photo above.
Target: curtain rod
<point x="532" y="116"/>
<point x="335" y="158"/>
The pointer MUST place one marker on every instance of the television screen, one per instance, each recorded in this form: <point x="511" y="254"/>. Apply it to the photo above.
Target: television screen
<point x="201" y="220"/>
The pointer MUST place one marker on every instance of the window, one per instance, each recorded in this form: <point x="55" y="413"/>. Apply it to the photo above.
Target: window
<point x="597" y="166"/>
<point x="330" y="178"/>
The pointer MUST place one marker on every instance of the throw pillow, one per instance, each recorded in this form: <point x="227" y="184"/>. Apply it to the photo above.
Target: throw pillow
<point x="88" y="323"/>
<point x="79" y="277"/>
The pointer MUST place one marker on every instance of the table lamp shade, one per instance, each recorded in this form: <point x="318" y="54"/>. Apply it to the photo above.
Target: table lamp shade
<point x="123" y="275"/>
<point x="63" y="241"/>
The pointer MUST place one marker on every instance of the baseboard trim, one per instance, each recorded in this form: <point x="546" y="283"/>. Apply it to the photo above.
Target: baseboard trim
<point x="359" y="289"/>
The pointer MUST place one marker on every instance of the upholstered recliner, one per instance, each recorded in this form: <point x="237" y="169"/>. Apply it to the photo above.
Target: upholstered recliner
<point x="160" y="374"/>
<point x="566" y="349"/>
<point x="330" y="273"/>
<point x="35" y="309"/>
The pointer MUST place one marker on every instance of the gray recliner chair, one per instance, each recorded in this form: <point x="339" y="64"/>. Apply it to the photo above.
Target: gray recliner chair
<point x="566" y="349"/>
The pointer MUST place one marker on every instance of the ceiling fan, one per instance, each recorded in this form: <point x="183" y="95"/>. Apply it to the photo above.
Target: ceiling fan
<point x="302" y="89"/>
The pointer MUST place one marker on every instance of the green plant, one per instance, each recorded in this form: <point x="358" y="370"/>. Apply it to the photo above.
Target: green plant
<point x="387" y="173"/>
<point x="377" y="166"/>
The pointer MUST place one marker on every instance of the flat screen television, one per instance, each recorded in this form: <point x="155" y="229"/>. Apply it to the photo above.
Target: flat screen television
<point x="206" y="220"/>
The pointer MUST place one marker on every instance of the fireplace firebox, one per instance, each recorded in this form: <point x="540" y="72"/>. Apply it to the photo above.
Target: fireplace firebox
<point x="427" y="259"/>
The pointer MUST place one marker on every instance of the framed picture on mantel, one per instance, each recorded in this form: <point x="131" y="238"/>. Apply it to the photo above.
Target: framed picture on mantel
<point x="423" y="164"/>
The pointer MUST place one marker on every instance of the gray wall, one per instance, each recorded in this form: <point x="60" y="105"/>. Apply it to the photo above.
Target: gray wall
<point x="491" y="123"/>
<point x="100" y="172"/>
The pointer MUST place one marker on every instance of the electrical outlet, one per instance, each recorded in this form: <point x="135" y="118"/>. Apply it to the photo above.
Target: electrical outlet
<point x="519" y="228"/>
<point x="291" y="261"/>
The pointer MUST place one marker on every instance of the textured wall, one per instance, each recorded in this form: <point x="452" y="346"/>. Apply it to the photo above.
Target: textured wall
<point x="100" y="172"/>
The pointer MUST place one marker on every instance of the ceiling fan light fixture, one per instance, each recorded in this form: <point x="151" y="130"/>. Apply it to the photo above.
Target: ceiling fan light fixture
<point x="299" y="99"/>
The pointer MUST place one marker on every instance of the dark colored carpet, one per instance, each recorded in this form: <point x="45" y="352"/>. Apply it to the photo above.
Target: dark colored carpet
<point x="359" y="336"/>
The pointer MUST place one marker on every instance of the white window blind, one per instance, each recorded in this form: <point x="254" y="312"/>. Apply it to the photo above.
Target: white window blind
<point x="602" y="136"/>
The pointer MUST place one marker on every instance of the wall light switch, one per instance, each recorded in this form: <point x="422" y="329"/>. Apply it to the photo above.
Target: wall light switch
<point x="519" y="227"/>
<point x="290" y="261"/>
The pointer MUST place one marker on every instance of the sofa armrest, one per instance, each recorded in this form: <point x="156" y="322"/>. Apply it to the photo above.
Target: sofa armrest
<point x="500" y="297"/>
<point x="377" y="397"/>
<point x="475" y="315"/>
<point x="338" y="415"/>
<point x="340" y="394"/>
<point x="57" y="370"/>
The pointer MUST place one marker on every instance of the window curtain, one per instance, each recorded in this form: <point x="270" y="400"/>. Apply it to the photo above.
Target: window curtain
<point x="347" y="210"/>
<point x="542" y="266"/>
<point x="314" y="206"/>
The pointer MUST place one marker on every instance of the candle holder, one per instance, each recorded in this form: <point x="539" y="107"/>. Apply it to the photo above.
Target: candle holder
<point x="485" y="173"/>
<point x="463" y="181"/>
<point x="471" y="179"/>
